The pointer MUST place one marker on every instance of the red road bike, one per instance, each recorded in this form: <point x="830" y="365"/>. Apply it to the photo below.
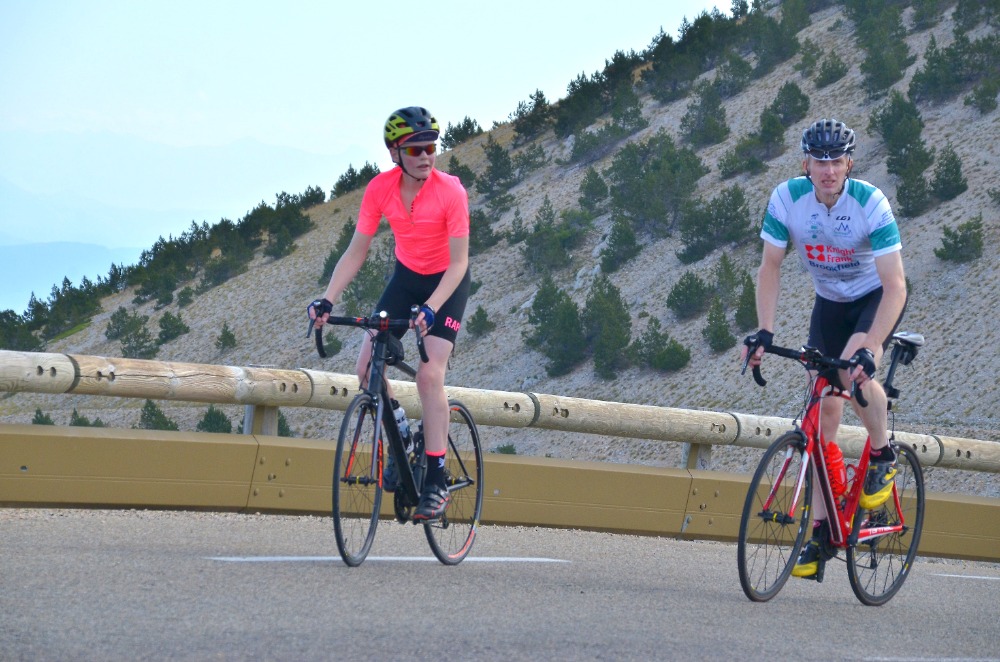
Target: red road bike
<point x="880" y="544"/>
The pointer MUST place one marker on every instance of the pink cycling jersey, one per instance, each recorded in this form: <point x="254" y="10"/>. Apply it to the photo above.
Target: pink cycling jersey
<point x="439" y="212"/>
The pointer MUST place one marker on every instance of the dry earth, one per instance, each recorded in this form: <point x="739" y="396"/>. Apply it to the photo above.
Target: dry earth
<point x="951" y="389"/>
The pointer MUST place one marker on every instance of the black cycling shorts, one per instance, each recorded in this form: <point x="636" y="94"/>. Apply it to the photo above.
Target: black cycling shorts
<point x="834" y="322"/>
<point x="407" y="287"/>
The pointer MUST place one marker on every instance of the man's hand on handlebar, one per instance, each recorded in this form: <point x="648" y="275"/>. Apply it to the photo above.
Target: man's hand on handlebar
<point x="319" y="311"/>
<point x="864" y="360"/>
<point x="754" y="346"/>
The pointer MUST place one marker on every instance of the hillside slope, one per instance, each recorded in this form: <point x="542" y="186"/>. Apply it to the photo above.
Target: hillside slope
<point x="951" y="389"/>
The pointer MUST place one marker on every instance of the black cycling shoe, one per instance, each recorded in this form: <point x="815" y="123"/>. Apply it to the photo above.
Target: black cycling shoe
<point x="433" y="502"/>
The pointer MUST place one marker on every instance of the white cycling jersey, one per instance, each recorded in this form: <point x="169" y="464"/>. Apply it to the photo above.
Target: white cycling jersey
<point x="838" y="246"/>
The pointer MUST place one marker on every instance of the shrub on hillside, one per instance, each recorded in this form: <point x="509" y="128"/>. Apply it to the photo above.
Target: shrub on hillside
<point x="593" y="190"/>
<point x="215" y="420"/>
<point x="226" y="339"/>
<point x="704" y="123"/>
<point x="153" y="418"/>
<point x="746" y="308"/>
<point x="458" y="134"/>
<point x="41" y="418"/>
<point x="77" y="419"/>
<point x="556" y="329"/>
<point x="689" y="296"/>
<point x="352" y="179"/>
<point x="948" y="182"/>
<point x="963" y="244"/>
<point x="138" y="343"/>
<point x="480" y="324"/>
<point x="608" y="327"/>
<point x="622" y="245"/>
<point x="171" y="326"/>
<point x="532" y="117"/>
<point x="831" y="69"/>
<point x="716" y="331"/>
<point x="657" y="350"/>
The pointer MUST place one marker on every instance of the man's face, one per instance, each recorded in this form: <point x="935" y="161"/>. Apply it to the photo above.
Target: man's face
<point x="827" y="176"/>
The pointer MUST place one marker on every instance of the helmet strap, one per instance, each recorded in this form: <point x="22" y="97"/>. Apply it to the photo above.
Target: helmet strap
<point x="399" y="153"/>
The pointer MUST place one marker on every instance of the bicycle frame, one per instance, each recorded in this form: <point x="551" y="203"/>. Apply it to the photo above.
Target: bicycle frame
<point x="841" y="520"/>
<point x="380" y="395"/>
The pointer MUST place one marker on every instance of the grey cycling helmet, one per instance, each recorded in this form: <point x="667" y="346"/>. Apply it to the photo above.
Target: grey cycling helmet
<point x="828" y="139"/>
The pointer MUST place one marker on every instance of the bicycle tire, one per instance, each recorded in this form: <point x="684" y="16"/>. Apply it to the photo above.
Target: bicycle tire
<point x="770" y="539"/>
<point x="452" y="536"/>
<point x="877" y="568"/>
<point x="357" y="485"/>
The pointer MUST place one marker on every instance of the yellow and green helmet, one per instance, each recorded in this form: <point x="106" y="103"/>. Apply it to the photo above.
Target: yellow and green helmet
<point x="413" y="123"/>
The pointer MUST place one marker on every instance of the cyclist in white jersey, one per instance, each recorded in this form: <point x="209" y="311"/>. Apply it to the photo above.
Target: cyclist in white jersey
<point x="847" y="238"/>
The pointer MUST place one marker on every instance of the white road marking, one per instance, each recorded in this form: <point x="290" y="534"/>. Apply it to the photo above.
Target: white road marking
<point x="407" y="559"/>
<point x="967" y="576"/>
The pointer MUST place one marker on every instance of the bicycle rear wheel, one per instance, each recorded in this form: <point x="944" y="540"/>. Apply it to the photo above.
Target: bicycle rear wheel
<point x="772" y="530"/>
<point x="357" y="490"/>
<point x="452" y="536"/>
<point x="878" y="567"/>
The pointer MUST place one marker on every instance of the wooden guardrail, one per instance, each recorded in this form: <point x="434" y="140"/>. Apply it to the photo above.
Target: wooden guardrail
<point x="268" y="388"/>
<point x="43" y="465"/>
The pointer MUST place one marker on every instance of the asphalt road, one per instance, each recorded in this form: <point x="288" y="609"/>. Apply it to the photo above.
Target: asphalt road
<point x="138" y="585"/>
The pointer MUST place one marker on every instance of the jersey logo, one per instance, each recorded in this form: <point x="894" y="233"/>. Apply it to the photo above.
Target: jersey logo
<point x="843" y="229"/>
<point x="816" y="252"/>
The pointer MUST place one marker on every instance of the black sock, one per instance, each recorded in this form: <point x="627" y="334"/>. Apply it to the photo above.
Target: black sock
<point x="883" y="454"/>
<point x="435" y="470"/>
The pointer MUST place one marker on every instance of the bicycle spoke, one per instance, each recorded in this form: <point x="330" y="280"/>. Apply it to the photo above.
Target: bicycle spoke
<point x="877" y="567"/>
<point x="452" y="536"/>
<point x="771" y="527"/>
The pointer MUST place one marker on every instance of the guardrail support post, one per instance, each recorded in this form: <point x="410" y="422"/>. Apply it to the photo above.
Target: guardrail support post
<point x="697" y="456"/>
<point x="260" y="419"/>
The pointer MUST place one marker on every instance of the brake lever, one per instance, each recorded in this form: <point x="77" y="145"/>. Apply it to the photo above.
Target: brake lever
<point x="414" y="312"/>
<point x="319" y="338"/>
<point x="757" y="376"/>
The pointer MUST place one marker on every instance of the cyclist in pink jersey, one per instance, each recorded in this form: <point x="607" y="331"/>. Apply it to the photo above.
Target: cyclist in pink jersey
<point x="848" y="241"/>
<point x="428" y="212"/>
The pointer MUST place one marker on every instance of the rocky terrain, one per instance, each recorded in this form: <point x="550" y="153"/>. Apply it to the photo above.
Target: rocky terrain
<point x="951" y="389"/>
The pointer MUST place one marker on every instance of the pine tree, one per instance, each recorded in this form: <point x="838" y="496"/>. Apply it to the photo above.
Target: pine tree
<point x="963" y="244"/>
<point x="479" y="324"/>
<point x="171" y="326"/>
<point x="746" y="309"/>
<point x="226" y="339"/>
<point x="153" y="418"/>
<point x="593" y="190"/>
<point x="608" y="327"/>
<point x="948" y="182"/>
<point x="557" y="331"/>
<point x="657" y="350"/>
<point x="727" y="282"/>
<point x="215" y="420"/>
<point x="622" y="245"/>
<point x="689" y="296"/>
<point x="41" y="418"/>
<point x="716" y="332"/>
<point x="139" y="344"/>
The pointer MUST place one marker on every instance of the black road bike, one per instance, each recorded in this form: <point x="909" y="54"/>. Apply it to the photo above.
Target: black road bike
<point x="369" y="435"/>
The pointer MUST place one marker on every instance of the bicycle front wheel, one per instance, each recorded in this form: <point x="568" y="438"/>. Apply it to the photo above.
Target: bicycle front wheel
<point x="878" y="567"/>
<point x="773" y="525"/>
<point x="451" y="537"/>
<point x="357" y="488"/>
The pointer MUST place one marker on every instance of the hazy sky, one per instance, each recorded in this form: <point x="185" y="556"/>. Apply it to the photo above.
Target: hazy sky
<point x="311" y="81"/>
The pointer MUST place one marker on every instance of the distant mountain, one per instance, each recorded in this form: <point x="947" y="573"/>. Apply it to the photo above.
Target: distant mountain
<point x="27" y="268"/>
<point x="119" y="190"/>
